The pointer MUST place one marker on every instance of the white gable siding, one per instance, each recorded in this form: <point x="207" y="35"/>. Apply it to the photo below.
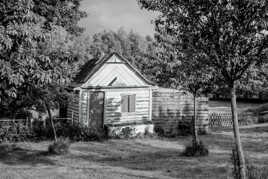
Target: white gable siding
<point x="114" y="67"/>
<point x="114" y="59"/>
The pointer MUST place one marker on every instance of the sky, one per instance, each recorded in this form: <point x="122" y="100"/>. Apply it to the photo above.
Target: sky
<point x="113" y="14"/>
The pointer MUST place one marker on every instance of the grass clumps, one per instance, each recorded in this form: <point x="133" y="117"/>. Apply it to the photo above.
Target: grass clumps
<point x="59" y="147"/>
<point x="199" y="149"/>
<point x="253" y="171"/>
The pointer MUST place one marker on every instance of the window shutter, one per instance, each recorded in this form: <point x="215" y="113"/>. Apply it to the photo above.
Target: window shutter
<point x="124" y="103"/>
<point x="132" y="103"/>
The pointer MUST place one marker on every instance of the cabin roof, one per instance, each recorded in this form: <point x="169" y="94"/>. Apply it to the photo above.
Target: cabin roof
<point x="93" y="65"/>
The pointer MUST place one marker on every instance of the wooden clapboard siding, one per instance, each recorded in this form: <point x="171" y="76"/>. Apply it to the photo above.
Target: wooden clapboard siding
<point x="169" y="107"/>
<point x="113" y="106"/>
<point x="73" y="108"/>
<point x="112" y="69"/>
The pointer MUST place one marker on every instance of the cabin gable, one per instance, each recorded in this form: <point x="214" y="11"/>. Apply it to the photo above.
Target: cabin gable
<point x="115" y="72"/>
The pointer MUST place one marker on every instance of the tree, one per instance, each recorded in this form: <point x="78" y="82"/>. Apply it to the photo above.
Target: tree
<point x="63" y="13"/>
<point x="195" y="78"/>
<point x="27" y="65"/>
<point x="181" y="71"/>
<point x="231" y="35"/>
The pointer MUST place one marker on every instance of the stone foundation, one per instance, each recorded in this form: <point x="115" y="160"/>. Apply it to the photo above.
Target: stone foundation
<point x="130" y="130"/>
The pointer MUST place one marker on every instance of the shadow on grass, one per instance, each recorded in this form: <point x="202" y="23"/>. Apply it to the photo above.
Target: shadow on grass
<point x="145" y="157"/>
<point x="14" y="155"/>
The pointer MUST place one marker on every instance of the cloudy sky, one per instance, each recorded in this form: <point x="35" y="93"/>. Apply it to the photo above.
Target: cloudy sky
<point x="113" y="14"/>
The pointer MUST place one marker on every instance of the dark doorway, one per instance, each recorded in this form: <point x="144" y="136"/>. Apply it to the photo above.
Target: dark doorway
<point x="96" y="110"/>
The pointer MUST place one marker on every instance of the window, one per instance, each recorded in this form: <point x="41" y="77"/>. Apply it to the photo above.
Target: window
<point x="128" y="103"/>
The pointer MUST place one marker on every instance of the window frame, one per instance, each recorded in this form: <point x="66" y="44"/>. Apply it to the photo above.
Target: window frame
<point x="128" y="103"/>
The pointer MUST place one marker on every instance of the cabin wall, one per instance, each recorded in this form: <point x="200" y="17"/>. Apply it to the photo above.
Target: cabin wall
<point x="172" y="108"/>
<point x="112" y="109"/>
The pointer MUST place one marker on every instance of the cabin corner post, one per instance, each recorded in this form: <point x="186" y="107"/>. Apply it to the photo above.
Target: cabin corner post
<point x="150" y="103"/>
<point x="79" y="108"/>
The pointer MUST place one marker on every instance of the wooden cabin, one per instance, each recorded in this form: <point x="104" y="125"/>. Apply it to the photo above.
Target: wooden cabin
<point x="111" y="92"/>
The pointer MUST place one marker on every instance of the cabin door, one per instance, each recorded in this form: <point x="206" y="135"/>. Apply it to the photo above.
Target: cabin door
<point x="96" y="110"/>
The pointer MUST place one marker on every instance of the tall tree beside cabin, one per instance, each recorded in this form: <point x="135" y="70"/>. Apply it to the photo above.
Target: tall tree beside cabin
<point x="27" y="65"/>
<point x="196" y="78"/>
<point x="231" y="36"/>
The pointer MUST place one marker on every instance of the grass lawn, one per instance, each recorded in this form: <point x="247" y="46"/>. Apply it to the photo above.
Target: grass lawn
<point x="132" y="159"/>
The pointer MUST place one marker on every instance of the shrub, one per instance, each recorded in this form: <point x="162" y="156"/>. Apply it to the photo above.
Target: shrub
<point x="184" y="128"/>
<point x="159" y="131"/>
<point x="60" y="147"/>
<point x="75" y="132"/>
<point x="40" y="132"/>
<point x="148" y="134"/>
<point x="14" y="132"/>
<point x="80" y="132"/>
<point x="123" y="132"/>
<point x="197" y="150"/>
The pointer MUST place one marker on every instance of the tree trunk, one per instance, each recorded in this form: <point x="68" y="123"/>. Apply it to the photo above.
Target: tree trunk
<point x="238" y="143"/>
<point x="195" y="134"/>
<point x="51" y="121"/>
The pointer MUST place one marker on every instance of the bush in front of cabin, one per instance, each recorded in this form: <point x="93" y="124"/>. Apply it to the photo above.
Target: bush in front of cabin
<point x="123" y="132"/>
<point x="80" y="132"/>
<point x="184" y="128"/>
<point x="196" y="150"/>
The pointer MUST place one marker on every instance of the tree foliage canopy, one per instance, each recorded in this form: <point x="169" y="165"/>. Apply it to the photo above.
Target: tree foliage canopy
<point x="231" y="35"/>
<point x="27" y="33"/>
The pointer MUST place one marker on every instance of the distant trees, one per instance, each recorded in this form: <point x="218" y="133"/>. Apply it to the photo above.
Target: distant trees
<point x="136" y="48"/>
<point x="230" y="35"/>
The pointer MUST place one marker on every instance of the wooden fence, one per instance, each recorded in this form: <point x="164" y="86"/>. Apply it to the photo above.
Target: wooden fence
<point x="24" y="127"/>
<point x="224" y="119"/>
<point x="12" y="128"/>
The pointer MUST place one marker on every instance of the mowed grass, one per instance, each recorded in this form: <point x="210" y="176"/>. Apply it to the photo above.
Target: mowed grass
<point x="134" y="158"/>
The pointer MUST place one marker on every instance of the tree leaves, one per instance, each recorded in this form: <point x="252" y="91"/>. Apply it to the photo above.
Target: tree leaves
<point x="231" y="35"/>
<point x="27" y="61"/>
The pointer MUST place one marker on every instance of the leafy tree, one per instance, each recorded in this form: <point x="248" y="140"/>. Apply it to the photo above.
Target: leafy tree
<point x="28" y="65"/>
<point x="63" y="13"/>
<point x="251" y="85"/>
<point x="181" y="71"/>
<point x="231" y="35"/>
<point x="195" y="78"/>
